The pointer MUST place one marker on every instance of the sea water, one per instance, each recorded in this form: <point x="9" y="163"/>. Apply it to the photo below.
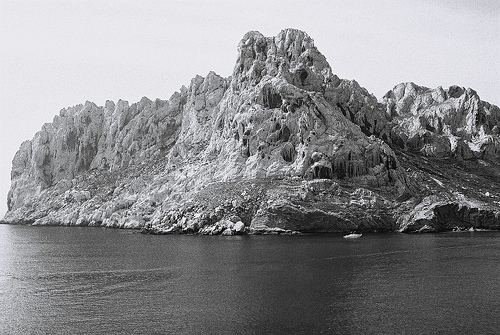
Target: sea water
<point x="68" y="280"/>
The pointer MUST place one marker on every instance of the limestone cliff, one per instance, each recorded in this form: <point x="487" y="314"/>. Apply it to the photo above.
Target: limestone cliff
<point x="281" y="145"/>
<point x="451" y="122"/>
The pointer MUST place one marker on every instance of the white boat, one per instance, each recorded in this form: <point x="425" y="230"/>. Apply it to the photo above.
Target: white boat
<point x="353" y="235"/>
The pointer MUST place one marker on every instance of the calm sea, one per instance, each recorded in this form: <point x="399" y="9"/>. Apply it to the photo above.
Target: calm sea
<point x="59" y="280"/>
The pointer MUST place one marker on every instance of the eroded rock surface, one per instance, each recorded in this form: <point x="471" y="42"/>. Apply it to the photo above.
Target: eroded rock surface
<point x="282" y="145"/>
<point x="452" y="122"/>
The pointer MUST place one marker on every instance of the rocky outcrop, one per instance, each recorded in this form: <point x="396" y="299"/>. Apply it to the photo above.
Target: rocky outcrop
<point x="452" y="122"/>
<point x="444" y="212"/>
<point x="282" y="145"/>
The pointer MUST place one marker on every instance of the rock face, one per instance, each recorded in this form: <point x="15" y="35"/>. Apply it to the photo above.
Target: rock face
<point x="451" y="122"/>
<point x="283" y="145"/>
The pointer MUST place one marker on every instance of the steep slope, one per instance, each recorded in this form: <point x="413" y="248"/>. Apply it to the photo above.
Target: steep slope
<point x="282" y="145"/>
<point x="449" y="140"/>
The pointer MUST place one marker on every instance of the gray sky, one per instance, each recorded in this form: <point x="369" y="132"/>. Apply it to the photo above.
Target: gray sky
<point x="55" y="54"/>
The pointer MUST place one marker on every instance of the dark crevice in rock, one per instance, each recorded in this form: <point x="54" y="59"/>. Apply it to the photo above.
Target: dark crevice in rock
<point x="322" y="172"/>
<point x="288" y="152"/>
<point x="271" y="98"/>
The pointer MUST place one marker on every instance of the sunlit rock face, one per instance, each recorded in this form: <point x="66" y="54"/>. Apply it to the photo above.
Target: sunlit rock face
<point x="286" y="114"/>
<point x="282" y="145"/>
<point x="452" y="122"/>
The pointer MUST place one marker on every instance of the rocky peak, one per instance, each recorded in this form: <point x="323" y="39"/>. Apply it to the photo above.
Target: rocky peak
<point x="291" y="56"/>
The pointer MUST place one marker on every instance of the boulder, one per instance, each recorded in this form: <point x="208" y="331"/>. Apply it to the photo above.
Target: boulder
<point x="239" y="227"/>
<point x="227" y="232"/>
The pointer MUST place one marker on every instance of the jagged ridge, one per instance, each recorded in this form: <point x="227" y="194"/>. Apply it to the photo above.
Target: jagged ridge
<point x="282" y="120"/>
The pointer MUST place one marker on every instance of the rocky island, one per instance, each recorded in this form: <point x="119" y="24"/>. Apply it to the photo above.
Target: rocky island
<point x="283" y="145"/>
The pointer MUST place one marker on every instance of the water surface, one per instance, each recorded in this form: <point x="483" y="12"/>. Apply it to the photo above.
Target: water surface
<point x="61" y="280"/>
